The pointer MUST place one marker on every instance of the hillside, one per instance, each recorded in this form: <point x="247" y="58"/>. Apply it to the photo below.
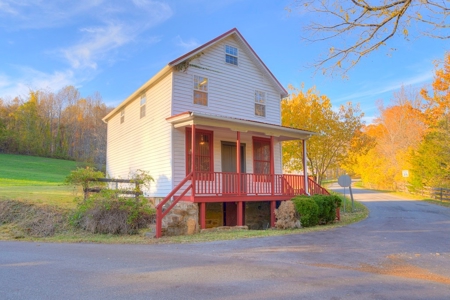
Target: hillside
<point x="20" y="170"/>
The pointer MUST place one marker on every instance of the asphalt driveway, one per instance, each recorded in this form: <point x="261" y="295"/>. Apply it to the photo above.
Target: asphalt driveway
<point x="402" y="251"/>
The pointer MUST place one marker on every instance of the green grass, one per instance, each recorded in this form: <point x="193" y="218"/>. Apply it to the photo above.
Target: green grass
<point x="36" y="179"/>
<point x="32" y="170"/>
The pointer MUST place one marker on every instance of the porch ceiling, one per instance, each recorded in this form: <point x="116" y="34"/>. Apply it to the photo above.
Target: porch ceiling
<point x="283" y="133"/>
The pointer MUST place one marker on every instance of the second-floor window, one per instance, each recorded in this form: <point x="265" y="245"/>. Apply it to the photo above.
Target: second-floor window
<point x="143" y="105"/>
<point x="231" y="55"/>
<point x="260" y="103"/>
<point x="200" y="90"/>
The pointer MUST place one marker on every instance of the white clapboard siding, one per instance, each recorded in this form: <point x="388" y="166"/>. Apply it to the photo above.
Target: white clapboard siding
<point x="220" y="135"/>
<point x="144" y="143"/>
<point x="231" y="89"/>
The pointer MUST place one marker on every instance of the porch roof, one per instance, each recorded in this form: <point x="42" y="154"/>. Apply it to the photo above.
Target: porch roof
<point x="282" y="132"/>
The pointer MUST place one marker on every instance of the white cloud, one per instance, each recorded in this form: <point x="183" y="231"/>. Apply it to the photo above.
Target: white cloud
<point x="97" y="29"/>
<point x="95" y="46"/>
<point x="187" y="45"/>
<point x="33" y="79"/>
<point x="97" y="42"/>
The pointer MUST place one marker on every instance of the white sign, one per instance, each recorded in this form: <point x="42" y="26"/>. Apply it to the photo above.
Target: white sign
<point x="344" y="180"/>
<point x="405" y="173"/>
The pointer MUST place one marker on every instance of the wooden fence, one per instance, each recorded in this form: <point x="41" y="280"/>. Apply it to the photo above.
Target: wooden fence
<point x="440" y="194"/>
<point x="137" y="191"/>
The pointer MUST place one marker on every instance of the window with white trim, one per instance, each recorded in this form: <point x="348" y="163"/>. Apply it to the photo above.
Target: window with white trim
<point x="231" y="55"/>
<point x="200" y="90"/>
<point x="260" y="103"/>
<point x="143" y="105"/>
<point x="122" y="116"/>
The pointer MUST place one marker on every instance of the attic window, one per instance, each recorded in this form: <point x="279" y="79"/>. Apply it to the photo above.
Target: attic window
<point x="143" y="104"/>
<point x="122" y="116"/>
<point x="231" y="55"/>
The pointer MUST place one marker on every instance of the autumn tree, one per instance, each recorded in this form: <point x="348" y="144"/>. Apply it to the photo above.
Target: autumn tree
<point x="398" y="130"/>
<point x="431" y="162"/>
<point x="356" y="28"/>
<point x="334" y="130"/>
<point x="60" y="125"/>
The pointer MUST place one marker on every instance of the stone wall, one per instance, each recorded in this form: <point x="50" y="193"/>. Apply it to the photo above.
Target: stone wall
<point x="181" y="220"/>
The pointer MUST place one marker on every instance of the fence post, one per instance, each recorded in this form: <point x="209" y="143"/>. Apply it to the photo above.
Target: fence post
<point x="441" y="194"/>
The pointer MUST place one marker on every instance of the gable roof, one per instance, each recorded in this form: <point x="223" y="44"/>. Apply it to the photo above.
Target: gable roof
<point x="164" y="71"/>
<point x="255" y="58"/>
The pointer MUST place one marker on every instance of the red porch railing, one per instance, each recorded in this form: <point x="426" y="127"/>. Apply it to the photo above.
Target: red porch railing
<point x="227" y="184"/>
<point x="220" y="183"/>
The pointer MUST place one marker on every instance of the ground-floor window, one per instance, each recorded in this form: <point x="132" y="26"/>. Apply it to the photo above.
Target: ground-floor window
<point x="203" y="151"/>
<point x="261" y="155"/>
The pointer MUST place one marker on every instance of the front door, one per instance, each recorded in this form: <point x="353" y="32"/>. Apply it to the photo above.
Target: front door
<point x="229" y="180"/>
<point x="229" y="167"/>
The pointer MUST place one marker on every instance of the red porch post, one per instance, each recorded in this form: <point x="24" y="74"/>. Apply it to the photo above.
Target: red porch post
<point x="193" y="159"/>
<point x="272" y="164"/>
<point x="240" y="213"/>
<point x="305" y="168"/>
<point x="202" y="215"/>
<point x="238" y="162"/>
<point x="273" y="206"/>
<point x="240" y="204"/>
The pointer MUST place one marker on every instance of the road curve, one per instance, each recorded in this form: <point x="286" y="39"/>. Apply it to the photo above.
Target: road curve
<point x="401" y="251"/>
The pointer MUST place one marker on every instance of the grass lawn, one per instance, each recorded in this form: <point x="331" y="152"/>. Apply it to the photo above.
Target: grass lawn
<point x="32" y="170"/>
<point x="36" y="179"/>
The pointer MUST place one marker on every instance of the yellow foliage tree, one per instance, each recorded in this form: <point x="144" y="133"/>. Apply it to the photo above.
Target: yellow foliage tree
<point x="308" y="110"/>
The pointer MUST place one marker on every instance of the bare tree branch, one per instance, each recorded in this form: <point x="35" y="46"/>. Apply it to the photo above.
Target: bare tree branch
<point x="359" y="27"/>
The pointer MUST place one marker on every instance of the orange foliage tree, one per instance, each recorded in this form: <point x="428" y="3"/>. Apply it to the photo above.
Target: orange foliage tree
<point x="399" y="130"/>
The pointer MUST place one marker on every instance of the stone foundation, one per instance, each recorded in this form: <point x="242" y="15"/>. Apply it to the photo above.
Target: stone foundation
<point x="214" y="215"/>
<point x="257" y="215"/>
<point x="181" y="220"/>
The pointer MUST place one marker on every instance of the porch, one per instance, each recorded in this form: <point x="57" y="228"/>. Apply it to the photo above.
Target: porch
<point x="233" y="184"/>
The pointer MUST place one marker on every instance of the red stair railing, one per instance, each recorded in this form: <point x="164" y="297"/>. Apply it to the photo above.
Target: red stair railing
<point x="160" y="214"/>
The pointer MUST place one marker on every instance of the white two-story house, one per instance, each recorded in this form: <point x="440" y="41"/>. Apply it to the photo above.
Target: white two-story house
<point x="207" y="127"/>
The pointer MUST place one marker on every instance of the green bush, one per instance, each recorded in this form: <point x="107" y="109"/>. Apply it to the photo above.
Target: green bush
<point x="106" y="212"/>
<point x="327" y="208"/>
<point x="308" y="210"/>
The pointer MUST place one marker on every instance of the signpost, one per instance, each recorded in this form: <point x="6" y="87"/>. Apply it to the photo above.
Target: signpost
<point x="345" y="181"/>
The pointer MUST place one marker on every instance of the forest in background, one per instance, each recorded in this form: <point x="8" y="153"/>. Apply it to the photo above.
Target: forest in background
<point x="60" y="124"/>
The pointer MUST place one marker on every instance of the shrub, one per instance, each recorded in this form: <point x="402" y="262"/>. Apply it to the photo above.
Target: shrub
<point x="308" y="210"/>
<point x="287" y="216"/>
<point x="327" y="207"/>
<point x="106" y="212"/>
<point x="82" y="177"/>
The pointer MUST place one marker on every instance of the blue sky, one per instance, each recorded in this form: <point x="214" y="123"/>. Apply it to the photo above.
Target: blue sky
<point x="113" y="47"/>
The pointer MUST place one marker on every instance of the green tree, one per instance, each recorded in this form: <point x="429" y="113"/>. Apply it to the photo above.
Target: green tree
<point x="334" y="130"/>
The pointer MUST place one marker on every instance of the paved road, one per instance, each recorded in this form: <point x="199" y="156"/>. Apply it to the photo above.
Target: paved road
<point x="402" y="251"/>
